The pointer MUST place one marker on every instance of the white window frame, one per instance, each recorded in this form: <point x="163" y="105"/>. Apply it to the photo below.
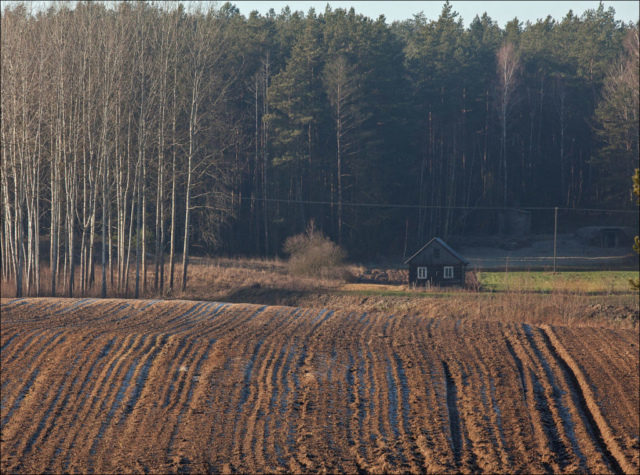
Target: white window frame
<point x="448" y="272"/>
<point x="422" y="272"/>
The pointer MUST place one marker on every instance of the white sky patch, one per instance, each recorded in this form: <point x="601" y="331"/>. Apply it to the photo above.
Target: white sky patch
<point x="500" y="11"/>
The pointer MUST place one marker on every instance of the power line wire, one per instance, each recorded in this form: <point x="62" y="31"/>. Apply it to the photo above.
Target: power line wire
<point x="547" y="258"/>
<point x="378" y="205"/>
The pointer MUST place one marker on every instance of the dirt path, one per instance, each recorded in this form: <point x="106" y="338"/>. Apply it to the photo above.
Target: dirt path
<point x="123" y="386"/>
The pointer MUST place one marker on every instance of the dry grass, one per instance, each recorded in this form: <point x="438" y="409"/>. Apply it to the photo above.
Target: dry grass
<point x="269" y="282"/>
<point x="565" y="305"/>
<point x="555" y="308"/>
<point x="223" y="278"/>
<point x="208" y="278"/>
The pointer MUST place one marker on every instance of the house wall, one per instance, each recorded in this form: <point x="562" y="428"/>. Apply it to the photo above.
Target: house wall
<point x="435" y="275"/>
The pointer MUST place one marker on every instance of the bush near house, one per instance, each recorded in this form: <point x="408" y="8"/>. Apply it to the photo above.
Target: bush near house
<point x="314" y="254"/>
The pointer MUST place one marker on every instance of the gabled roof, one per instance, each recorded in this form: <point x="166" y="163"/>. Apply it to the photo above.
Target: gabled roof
<point x="443" y="244"/>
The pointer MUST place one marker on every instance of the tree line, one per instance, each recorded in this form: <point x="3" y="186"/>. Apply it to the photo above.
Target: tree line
<point x="135" y="134"/>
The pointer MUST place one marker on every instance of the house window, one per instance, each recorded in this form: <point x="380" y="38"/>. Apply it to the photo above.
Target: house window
<point x="436" y="253"/>
<point x="448" y="272"/>
<point x="422" y="272"/>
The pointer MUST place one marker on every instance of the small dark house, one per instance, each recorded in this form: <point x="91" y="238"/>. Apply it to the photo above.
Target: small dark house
<point x="436" y="264"/>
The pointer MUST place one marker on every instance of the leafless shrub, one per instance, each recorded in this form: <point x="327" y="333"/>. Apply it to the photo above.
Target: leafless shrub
<point x="314" y="254"/>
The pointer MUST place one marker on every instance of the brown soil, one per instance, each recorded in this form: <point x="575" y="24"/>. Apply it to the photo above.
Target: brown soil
<point x="121" y="386"/>
<point x="612" y="312"/>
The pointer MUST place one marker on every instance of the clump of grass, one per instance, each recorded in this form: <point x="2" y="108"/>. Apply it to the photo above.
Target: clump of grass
<point x="314" y="254"/>
<point x="472" y="282"/>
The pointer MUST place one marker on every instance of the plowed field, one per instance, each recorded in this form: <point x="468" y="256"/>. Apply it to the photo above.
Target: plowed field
<point x="99" y="386"/>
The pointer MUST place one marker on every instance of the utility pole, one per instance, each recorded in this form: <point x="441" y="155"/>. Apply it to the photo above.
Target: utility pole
<point x="406" y="238"/>
<point x="506" y="273"/>
<point x="555" y="240"/>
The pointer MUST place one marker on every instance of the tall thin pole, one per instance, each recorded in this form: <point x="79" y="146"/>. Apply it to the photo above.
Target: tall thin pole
<point x="555" y="240"/>
<point x="406" y="238"/>
<point x="506" y="273"/>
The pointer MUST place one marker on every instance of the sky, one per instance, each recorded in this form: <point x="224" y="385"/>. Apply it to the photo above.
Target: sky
<point x="502" y="11"/>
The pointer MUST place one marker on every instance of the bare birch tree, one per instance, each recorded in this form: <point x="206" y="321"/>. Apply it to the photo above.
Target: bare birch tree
<point x="340" y="83"/>
<point x="508" y="66"/>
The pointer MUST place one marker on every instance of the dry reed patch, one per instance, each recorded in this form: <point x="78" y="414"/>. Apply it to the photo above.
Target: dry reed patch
<point x="556" y="308"/>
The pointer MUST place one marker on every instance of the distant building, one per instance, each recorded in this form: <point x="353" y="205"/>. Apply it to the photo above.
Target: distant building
<point x="436" y="264"/>
<point x="514" y="222"/>
<point x="606" y="236"/>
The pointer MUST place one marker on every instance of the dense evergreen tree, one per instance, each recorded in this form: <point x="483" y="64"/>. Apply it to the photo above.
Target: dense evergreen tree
<point x="617" y="118"/>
